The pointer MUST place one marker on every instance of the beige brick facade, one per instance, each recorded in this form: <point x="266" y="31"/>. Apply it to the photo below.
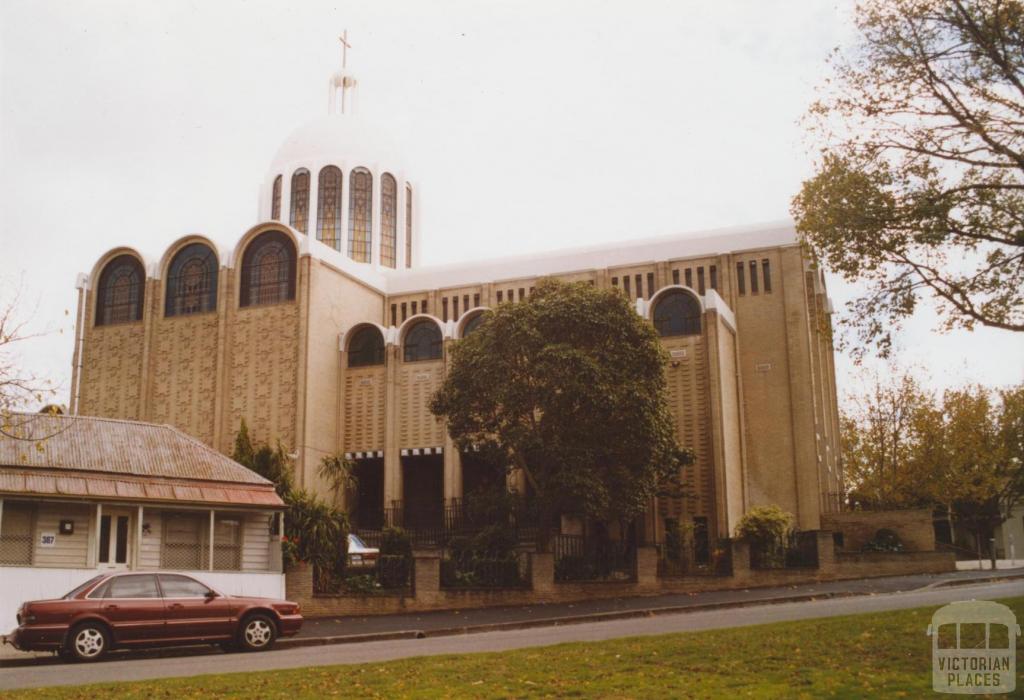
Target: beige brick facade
<point x="753" y="394"/>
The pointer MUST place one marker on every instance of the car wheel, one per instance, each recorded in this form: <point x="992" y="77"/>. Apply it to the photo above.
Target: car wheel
<point x="88" y="642"/>
<point x="257" y="633"/>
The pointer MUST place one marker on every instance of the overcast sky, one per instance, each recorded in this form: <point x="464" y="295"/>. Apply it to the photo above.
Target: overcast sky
<point x="526" y="125"/>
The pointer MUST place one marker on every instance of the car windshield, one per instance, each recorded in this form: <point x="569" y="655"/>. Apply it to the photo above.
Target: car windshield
<point x="353" y="540"/>
<point x="75" y="591"/>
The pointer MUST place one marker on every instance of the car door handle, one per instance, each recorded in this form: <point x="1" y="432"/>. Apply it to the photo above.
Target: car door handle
<point x="110" y="607"/>
<point x="176" y="606"/>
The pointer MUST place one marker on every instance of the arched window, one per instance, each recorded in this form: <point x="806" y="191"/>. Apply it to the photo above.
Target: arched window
<point x="360" y="215"/>
<point x="300" y="200"/>
<point x="191" y="281"/>
<point x="388" y="219"/>
<point x="677" y="313"/>
<point x="275" y="200"/>
<point x="473" y="323"/>
<point x="268" y="270"/>
<point x="366" y="348"/>
<point x="328" y="204"/>
<point x="408" y="226"/>
<point x="422" y="342"/>
<point x="121" y="291"/>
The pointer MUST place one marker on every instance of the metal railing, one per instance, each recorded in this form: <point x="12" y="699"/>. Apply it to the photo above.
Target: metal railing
<point x="795" y="550"/>
<point x="695" y="559"/>
<point x="483" y="570"/>
<point x="578" y="558"/>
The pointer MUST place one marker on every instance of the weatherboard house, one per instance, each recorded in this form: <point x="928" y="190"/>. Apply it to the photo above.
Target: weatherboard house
<point x="319" y="328"/>
<point x="81" y="496"/>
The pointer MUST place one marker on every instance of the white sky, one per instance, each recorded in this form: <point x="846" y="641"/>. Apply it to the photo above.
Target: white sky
<point x="526" y="125"/>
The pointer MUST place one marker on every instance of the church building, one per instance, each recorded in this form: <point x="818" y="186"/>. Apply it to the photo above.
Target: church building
<point x="321" y="329"/>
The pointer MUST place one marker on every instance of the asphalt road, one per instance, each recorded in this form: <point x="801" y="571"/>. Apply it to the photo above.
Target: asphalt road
<point x="48" y="672"/>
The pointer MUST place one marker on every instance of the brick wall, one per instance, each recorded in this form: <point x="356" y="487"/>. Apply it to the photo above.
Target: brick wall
<point x="914" y="527"/>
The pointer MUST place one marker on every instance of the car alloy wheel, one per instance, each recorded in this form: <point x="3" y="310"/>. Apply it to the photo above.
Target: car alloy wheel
<point x="88" y="643"/>
<point x="258" y="633"/>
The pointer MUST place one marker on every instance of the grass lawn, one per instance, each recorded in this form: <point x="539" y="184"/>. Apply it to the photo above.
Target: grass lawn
<point x="873" y="655"/>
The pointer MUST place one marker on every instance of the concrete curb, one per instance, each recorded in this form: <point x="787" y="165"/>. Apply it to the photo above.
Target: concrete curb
<point x="967" y="581"/>
<point x="552" y="621"/>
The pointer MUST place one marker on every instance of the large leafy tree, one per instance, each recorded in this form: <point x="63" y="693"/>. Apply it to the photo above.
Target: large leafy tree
<point x="920" y="187"/>
<point x="567" y="386"/>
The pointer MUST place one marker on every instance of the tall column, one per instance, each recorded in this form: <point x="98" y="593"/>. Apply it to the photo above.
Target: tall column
<point x="392" y="457"/>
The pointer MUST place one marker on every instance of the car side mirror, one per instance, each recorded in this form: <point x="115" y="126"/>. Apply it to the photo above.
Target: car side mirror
<point x="210" y="595"/>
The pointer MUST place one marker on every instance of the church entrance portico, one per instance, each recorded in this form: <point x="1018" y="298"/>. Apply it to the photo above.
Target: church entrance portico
<point x="423" y="492"/>
<point x="368" y="507"/>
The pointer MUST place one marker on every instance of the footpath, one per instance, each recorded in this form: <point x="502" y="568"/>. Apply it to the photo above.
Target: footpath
<point x="341" y="630"/>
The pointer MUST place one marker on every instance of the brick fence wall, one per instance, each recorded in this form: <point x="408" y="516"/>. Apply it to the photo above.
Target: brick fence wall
<point x="427" y="593"/>
<point x="914" y="527"/>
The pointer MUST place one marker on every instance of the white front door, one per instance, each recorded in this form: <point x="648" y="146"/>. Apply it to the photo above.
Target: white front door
<point x="115" y="539"/>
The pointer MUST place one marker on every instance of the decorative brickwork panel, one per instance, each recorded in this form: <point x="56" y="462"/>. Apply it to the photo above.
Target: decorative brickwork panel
<point x="184" y="374"/>
<point x="688" y="398"/>
<point x="112" y="371"/>
<point x="417" y="426"/>
<point x="364" y="409"/>
<point x="263" y="364"/>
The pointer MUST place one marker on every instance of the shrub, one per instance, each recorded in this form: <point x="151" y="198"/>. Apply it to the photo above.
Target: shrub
<point x="764" y="524"/>
<point x="885" y="540"/>
<point x="395" y="541"/>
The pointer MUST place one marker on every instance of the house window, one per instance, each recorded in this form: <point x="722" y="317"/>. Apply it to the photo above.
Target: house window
<point x="227" y="542"/>
<point x="192" y="281"/>
<point x="121" y="291"/>
<point x="388" y="219"/>
<point x="677" y="313"/>
<point x="268" y="270"/>
<point x="422" y="342"/>
<point x="360" y="215"/>
<point x="767" y="274"/>
<point x="300" y="200"/>
<point x="753" y="277"/>
<point x="366" y="348"/>
<point x="328" y="206"/>
<point x="184" y="541"/>
<point x="17" y="527"/>
<point x="740" y="283"/>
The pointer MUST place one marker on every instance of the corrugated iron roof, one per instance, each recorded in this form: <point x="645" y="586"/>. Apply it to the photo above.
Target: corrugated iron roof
<point x="104" y="445"/>
<point x="102" y="458"/>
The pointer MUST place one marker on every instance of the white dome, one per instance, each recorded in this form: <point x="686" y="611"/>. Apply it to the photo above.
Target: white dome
<point x="340" y="139"/>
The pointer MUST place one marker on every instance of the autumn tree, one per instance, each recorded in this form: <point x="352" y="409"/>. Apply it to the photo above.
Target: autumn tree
<point x="568" y="387"/>
<point x="919" y="191"/>
<point x="19" y="387"/>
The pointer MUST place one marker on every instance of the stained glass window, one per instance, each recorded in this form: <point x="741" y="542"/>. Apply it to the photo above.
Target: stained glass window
<point x="408" y="226"/>
<point x="366" y="348"/>
<point x="268" y="270"/>
<point x="388" y="219"/>
<point x="191" y="281"/>
<point x="422" y="342"/>
<point x="473" y="323"/>
<point x="300" y="200"/>
<point x="360" y="215"/>
<point x="677" y="313"/>
<point x="121" y="291"/>
<point x="275" y="201"/>
<point x="328" y="204"/>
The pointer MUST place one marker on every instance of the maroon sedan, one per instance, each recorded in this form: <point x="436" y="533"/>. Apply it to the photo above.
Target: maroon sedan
<point x="131" y="610"/>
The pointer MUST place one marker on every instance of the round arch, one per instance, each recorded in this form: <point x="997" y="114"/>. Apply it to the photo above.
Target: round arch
<point x="466" y="318"/>
<point x="417" y="341"/>
<point x="260" y="279"/>
<point x="360" y="348"/>
<point x="684" y="320"/>
<point x="120" y="289"/>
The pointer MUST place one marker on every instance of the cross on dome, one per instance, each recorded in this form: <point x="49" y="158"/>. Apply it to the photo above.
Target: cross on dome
<point x="341" y="82"/>
<point x="345" y="46"/>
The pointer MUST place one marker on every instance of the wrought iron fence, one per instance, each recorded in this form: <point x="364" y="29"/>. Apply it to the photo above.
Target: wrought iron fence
<point x="390" y="573"/>
<point x="580" y="559"/>
<point x="795" y="550"/>
<point x="695" y="559"/>
<point x="480" y="570"/>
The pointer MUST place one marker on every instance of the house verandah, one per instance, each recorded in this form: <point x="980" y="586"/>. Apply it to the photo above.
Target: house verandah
<point x="81" y="496"/>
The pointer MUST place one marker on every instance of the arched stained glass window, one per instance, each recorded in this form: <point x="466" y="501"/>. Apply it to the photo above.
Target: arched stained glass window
<point x="408" y="226"/>
<point x="300" y="200"/>
<point x="388" y="219"/>
<point x="422" y="342"/>
<point x="268" y="270"/>
<point x="191" y="281"/>
<point x="473" y="323"/>
<point x="328" y="204"/>
<point x="366" y="348"/>
<point x="121" y="291"/>
<point x="360" y="215"/>
<point x="677" y="313"/>
<point x="275" y="200"/>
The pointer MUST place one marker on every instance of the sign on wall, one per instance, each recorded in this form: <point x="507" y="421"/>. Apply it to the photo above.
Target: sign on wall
<point x="47" y="539"/>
